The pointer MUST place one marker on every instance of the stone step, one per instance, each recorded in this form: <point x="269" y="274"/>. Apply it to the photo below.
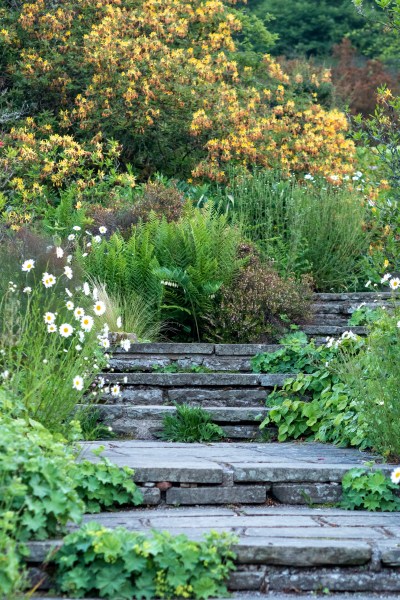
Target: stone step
<point x="328" y="319"/>
<point x="353" y="297"/>
<point x="343" y="308"/>
<point x="208" y="380"/>
<point x="187" y="349"/>
<point x="145" y="422"/>
<point x="232" y="473"/>
<point x="331" y="330"/>
<point x="127" y="362"/>
<point x="280" y="548"/>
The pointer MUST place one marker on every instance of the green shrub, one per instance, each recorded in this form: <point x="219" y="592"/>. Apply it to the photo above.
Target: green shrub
<point x="176" y="267"/>
<point x="369" y="490"/>
<point x="372" y="379"/>
<point x="36" y="479"/>
<point x="257" y="305"/>
<point x="96" y="561"/>
<point x="305" y="227"/>
<point x="190" y="424"/>
<point x="12" y="573"/>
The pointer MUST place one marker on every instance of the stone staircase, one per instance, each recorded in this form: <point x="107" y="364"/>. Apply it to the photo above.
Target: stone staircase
<point x="279" y="499"/>
<point x="231" y="393"/>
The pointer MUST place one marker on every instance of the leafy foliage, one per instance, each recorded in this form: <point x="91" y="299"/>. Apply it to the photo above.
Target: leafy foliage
<point x="190" y="424"/>
<point x="103" y="486"/>
<point x="257" y="304"/>
<point x="316" y="404"/>
<point x="307" y="226"/>
<point x="372" y="379"/>
<point x="369" y="490"/>
<point x="96" y="561"/>
<point x="175" y="267"/>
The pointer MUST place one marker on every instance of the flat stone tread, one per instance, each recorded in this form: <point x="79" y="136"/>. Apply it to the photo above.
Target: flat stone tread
<point x="206" y="463"/>
<point x="332" y="329"/>
<point x="273" y="535"/>
<point x="351" y="296"/>
<point x="199" y="379"/>
<point x="174" y="349"/>
<point x="219" y="414"/>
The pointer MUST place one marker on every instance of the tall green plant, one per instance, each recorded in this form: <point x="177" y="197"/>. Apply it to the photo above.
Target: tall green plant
<point x="175" y="267"/>
<point x="305" y="228"/>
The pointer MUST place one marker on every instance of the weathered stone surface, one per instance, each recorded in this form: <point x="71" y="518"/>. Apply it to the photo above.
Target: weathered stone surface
<point x="188" y="379"/>
<point x="217" y="495"/>
<point x="391" y="555"/>
<point x="314" y="493"/>
<point x="136" y="395"/>
<point x="317" y="532"/>
<point x="336" y="580"/>
<point x="246" y="580"/>
<point x="171" y="348"/>
<point x="244" y="349"/>
<point x="242" y="432"/>
<point x="356" y="297"/>
<point x="186" y="473"/>
<point x="151" y="496"/>
<point x="140" y="362"/>
<point x="302" y="553"/>
<point x="278" y="473"/>
<point x="218" y="397"/>
<point x="331" y="330"/>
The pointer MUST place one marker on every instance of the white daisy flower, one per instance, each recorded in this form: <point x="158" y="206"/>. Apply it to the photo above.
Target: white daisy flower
<point x="81" y="336"/>
<point x="119" y="322"/>
<point x="99" y="308"/>
<point x="27" y="290"/>
<point x="28" y="265"/>
<point x="87" y="323"/>
<point x="386" y="278"/>
<point x="79" y="313"/>
<point x="66" y="330"/>
<point x="103" y="230"/>
<point x="101" y="382"/>
<point x="78" y="347"/>
<point x="68" y="272"/>
<point x="125" y="344"/>
<point x="97" y="239"/>
<point x="69" y="294"/>
<point x="70" y="305"/>
<point x="105" y="343"/>
<point x="52" y="328"/>
<point x="69" y="259"/>
<point x="77" y="383"/>
<point x="115" y="390"/>
<point x="395" y="476"/>
<point x="86" y="289"/>
<point x="49" y="318"/>
<point x="5" y="374"/>
<point x="76" y="228"/>
<point x="394" y="283"/>
<point x="48" y="280"/>
<point x="59" y="252"/>
<point x="95" y="293"/>
<point x="71" y="237"/>
<point x="398" y="324"/>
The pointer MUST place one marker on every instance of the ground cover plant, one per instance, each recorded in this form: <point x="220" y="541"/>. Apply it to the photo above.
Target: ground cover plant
<point x="371" y="489"/>
<point x="190" y="424"/>
<point x="96" y="561"/>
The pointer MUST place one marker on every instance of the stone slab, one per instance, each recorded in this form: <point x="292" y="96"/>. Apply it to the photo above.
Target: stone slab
<point x="217" y="495"/>
<point x="151" y="496"/>
<point x="302" y="553"/>
<point x="170" y="348"/>
<point x="311" y="493"/>
<point x="137" y="395"/>
<point x="188" y="379"/>
<point x="218" y="397"/>
<point x="335" y="580"/>
<point x="244" y="349"/>
<point x="277" y="473"/>
<point x="331" y="330"/>
<point x="391" y="556"/>
<point x="317" y="532"/>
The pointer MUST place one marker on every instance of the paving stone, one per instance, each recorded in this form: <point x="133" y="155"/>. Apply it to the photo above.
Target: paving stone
<point x="151" y="496"/>
<point x="182" y="522"/>
<point x="302" y="553"/>
<point x="217" y="495"/>
<point x="218" y="397"/>
<point x="391" y="555"/>
<point x="246" y="580"/>
<point x="244" y="349"/>
<point x="335" y="580"/>
<point x="137" y="395"/>
<point x="189" y="379"/>
<point x="356" y="519"/>
<point x="316" y="493"/>
<point x="186" y="473"/>
<point x="318" y="532"/>
<point x="277" y="473"/>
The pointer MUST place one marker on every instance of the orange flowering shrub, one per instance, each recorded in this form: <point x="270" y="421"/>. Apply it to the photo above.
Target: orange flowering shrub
<point x="36" y="164"/>
<point x="160" y="76"/>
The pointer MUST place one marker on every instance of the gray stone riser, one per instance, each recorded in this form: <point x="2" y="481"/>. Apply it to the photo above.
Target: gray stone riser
<point x="147" y="363"/>
<point x="353" y="297"/>
<point x="195" y="396"/>
<point x="207" y="380"/>
<point x="331" y="330"/>
<point x="326" y="319"/>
